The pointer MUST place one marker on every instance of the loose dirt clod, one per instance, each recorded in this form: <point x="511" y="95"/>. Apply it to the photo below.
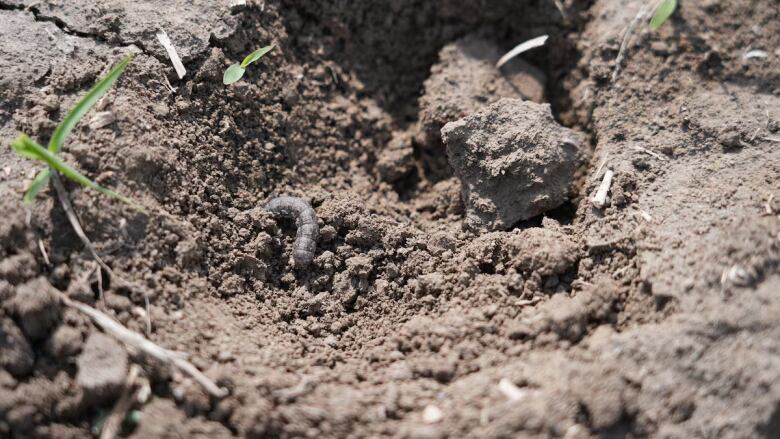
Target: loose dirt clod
<point x="37" y="308"/>
<point x="463" y="81"/>
<point x="16" y="355"/>
<point x="514" y="161"/>
<point x="102" y="367"/>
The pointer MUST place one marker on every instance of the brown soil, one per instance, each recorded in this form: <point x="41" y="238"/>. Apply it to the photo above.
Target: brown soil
<point x="656" y="316"/>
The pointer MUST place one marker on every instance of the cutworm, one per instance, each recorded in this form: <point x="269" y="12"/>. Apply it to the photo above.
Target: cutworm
<point x="305" y="220"/>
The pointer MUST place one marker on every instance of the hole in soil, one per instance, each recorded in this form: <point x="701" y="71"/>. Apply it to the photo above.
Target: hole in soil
<point x="564" y="214"/>
<point x="487" y="268"/>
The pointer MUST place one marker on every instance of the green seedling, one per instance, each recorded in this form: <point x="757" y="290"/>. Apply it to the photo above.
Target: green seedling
<point x="236" y="71"/>
<point x="662" y="13"/>
<point x="26" y="147"/>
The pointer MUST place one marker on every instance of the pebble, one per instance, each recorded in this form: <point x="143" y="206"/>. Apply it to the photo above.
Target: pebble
<point x="432" y="414"/>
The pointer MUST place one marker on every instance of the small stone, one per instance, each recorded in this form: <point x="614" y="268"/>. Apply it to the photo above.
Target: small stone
<point x="102" y="368"/>
<point x="225" y="356"/>
<point x="432" y="414"/>
<point x="659" y="48"/>
<point x="426" y="432"/>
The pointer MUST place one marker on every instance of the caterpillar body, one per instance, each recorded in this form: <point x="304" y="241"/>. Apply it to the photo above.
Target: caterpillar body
<point x="308" y="231"/>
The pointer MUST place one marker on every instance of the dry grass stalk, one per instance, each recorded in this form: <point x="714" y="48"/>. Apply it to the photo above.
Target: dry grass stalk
<point x="62" y="195"/>
<point x="162" y="37"/>
<point x="140" y="343"/>
<point x="600" y="199"/>
<point x="125" y="402"/>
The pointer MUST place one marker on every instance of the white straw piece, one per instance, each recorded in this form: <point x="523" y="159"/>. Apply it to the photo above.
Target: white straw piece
<point x="522" y="47"/>
<point x="600" y="199"/>
<point x="510" y="390"/>
<point x="757" y="53"/>
<point x="172" y="54"/>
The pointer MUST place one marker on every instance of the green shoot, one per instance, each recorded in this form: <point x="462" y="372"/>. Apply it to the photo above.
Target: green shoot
<point x="66" y="126"/>
<point x="236" y="71"/>
<point x="27" y="147"/>
<point x="662" y="13"/>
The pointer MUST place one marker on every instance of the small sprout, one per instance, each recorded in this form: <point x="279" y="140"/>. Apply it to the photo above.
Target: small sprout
<point x="236" y="71"/>
<point x="26" y="147"/>
<point x="662" y="13"/>
<point x="233" y="74"/>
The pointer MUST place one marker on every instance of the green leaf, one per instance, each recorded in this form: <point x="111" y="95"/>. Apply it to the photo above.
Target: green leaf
<point x="26" y="147"/>
<point x="36" y="186"/>
<point x="233" y="74"/>
<point x="662" y="13"/>
<point x="74" y="116"/>
<point x="84" y="105"/>
<point x="254" y="56"/>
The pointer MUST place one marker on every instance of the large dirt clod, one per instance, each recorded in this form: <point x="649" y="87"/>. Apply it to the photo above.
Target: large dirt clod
<point x="515" y="162"/>
<point x="464" y="80"/>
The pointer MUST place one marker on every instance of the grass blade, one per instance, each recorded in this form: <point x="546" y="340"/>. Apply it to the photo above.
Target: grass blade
<point x="84" y="105"/>
<point x="70" y="121"/>
<point x="662" y="13"/>
<point x="26" y="147"/>
<point x="36" y="186"/>
<point x="254" y="56"/>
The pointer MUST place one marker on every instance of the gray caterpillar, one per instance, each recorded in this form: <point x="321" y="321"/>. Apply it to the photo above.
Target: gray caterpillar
<point x="305" y="220"/>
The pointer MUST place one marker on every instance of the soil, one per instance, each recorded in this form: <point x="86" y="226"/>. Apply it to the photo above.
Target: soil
<point x="654" y="316"/>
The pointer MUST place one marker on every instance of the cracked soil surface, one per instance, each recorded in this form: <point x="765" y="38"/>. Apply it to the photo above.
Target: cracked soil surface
<point x="656" y="316"/>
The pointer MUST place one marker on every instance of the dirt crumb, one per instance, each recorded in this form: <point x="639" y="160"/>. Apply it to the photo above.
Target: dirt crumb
<point x="102" y="367"/>
<point x="396" y="161"/>
<point x="567" y="318"/>
<point x="16" y="355"/>
<point x="37" y="308"/>
<point x="515" y="162"/>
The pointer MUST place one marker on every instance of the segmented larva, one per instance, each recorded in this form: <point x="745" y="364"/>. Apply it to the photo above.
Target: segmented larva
<point x="305" y="220"/>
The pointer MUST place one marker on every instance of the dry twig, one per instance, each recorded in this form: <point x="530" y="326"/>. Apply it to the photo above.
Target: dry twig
<point x="45" y="255"/>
